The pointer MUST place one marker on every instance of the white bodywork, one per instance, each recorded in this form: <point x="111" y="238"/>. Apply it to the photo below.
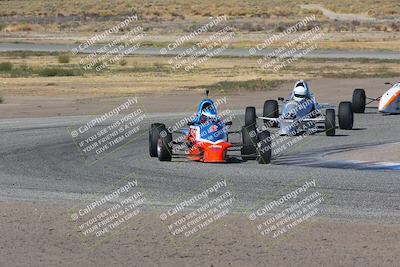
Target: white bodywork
<point x="302" y="109"/>
<point x="390" y="101"/>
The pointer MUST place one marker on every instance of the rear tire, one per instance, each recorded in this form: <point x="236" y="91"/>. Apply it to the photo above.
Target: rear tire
<point x="330" y="122"/>
<point x="154" y="133"/>
<point x="164" y="145"/>
<point x="359" y="100"/>
<point x="271" y="110"/>
<point x="250" y="117"/>
<point x="346" y="116"/>
<point x="264" y="148"/>
<point x="249" y="139"/>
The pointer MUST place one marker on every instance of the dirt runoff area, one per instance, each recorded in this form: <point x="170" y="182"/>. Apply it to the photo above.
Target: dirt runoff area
<point x="326" y="91"/>
<point x="43" y="235"/>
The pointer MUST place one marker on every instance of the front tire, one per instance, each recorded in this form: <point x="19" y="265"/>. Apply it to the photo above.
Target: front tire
<point x="249" y="139"/>
<point x="264" y="148"/>
<point x="250" y="117"/>
<point x="164" y="145"/>
<point x="359" y="100"/>
<point x="271" y="110"/>
<point x="330" y="122"/>
<point x="346" y="116"/>
<point x="154" y="133"/>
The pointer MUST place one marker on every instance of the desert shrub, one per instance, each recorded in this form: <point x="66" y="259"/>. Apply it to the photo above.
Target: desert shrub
<point x="258" y="84"/>
<point x="63" y="58"/>
<point x="6" y="66"/>
<point x="24" y="27"/>
<point x="280" y="28"/>
<point x="52" y="72"/>
<point x="395" y="26"/>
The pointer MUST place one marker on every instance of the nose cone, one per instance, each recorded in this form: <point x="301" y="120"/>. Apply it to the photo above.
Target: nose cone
<point x="383" y="103"/>
<point x="389" y="102"/>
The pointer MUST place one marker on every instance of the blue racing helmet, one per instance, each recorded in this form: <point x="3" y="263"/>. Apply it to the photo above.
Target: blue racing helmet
<point x="208" y="110"/>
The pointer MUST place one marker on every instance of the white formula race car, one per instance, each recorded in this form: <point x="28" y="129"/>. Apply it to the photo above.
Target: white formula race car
<point x="389" y="102"/>
<point x="302" y="113"/>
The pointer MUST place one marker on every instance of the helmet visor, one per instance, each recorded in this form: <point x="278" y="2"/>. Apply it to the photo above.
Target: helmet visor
<point x="299" y="96"/>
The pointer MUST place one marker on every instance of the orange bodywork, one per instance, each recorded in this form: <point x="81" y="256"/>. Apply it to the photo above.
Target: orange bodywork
<point x="213" y="152"/>
<point x="206" y="151"/>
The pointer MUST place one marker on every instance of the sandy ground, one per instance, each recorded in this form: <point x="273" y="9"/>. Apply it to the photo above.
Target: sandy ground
<point x="38" y="235"/>
<point x="326" y="90"/>
<point x="383" y="153"/>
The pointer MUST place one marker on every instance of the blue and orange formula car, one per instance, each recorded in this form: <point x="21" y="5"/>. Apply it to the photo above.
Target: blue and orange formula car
<point x="206" y="139"/>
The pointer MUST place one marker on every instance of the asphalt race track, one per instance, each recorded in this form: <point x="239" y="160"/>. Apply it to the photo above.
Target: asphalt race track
<point x="230" y="52"/>
<point x="40" y="163"/>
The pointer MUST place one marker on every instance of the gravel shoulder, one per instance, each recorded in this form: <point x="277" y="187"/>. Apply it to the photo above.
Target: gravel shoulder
<point x="42" y="235"/>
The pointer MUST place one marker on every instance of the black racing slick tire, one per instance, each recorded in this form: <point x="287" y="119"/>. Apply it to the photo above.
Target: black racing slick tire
<point x="271" y="110"/>
<point x="250" y="117"/>
<point x="264" y="147"/>
<point x="330" y="122"/>
<point x="346" y="116"/>
<point x="154" y="133"/>
<point x="359" y="100"/>
<point x="249" y="139"/>
<point x="164" y="145"/>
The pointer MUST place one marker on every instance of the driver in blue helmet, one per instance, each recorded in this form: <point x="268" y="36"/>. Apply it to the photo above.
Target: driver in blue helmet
<point x="205" y="114"/>
<point x="208" y="113"/>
